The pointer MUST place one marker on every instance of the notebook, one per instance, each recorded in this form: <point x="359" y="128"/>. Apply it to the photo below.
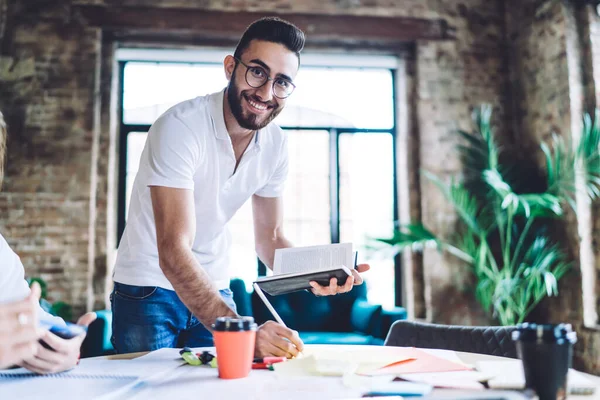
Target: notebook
<point x="91" y="379"/>
<point x="96" y="380"/>
<point x="295" y="267"/>
<point x="88" y="369"/>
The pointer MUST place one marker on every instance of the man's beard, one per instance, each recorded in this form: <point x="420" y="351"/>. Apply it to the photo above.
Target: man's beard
<point x="247" y="121"/>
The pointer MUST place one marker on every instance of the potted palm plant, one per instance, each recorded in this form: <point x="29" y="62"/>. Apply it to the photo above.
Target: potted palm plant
<point x="504" y="233"/>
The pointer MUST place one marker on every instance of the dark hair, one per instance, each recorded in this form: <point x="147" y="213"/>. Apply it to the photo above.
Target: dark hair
<point x="275" y="30"/>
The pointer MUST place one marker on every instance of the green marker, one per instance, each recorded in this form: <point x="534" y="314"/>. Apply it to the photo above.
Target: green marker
<point x="189" y="356"/>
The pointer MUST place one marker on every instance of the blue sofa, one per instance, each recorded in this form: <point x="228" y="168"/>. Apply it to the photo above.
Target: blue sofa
<point x="343" y="319"/>
<point x="97" y="342"/>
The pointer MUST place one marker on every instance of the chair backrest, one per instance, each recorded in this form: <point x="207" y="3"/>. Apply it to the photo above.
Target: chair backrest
<point x="241" y="297"/>
<point x="97" y="341"/>
<point x="493" y="340"/>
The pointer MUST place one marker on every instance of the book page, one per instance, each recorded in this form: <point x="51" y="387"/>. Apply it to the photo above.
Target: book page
<point x="312" y="258"/>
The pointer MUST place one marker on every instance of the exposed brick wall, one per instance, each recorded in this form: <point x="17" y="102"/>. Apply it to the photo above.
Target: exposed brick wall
<point x="107" y="180"/>
<point x="453" y="78"/>
<point x="46" y="92"/>
<point x="584" y="284"/>
<point x="595" y="53"/>
<point x="551" y="80"/>
<point x="537" y="32"/>
<point x="590" y="338"/>
<point x="593" y="341"/>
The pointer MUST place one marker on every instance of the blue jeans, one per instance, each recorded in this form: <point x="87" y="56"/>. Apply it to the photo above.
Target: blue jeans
<point x="149" y="318"/>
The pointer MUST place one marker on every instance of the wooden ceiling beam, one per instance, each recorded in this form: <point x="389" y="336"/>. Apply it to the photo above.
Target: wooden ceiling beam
<point x="320" y="28"/>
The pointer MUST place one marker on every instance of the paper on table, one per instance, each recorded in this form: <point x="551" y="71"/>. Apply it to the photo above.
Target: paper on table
<point x="508" y="374"/>
<point x="323" y="361"/>
<point x="190" y="381"/>
<point x="302" y="366"/>
<point x="312" y="258"/>
<point x="151" y="368"/>
<point x="449" y="355"/>
<point x="365" y="361"/>
<point x="450" y="380"/>
<point x="310" y="368"/>
<point x="159" y="359"/>
<point x="422" y="362"/>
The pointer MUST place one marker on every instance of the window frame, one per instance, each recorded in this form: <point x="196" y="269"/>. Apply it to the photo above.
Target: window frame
<point x="334" y="166"/>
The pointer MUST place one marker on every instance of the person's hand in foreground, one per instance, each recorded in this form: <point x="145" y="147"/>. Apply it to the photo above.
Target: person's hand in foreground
<point x="19" y="332"/>
<point x="333" y="287"/>
<point x="273" y="339"/>
<point x="64" y="354"/>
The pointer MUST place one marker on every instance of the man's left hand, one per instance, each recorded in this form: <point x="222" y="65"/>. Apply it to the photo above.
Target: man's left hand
<point x="333" y="287"/>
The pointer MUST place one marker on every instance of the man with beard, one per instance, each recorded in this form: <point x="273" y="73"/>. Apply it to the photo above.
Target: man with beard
<point x="203" y="159"/>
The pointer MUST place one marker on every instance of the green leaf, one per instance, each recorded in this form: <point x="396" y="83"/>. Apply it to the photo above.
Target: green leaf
<point x="465" y="205"/>
<point x="561" y="167"/>
<point x="543" y="204"/>
<point x="414" y="236"/>
<point x="551" y="284"/>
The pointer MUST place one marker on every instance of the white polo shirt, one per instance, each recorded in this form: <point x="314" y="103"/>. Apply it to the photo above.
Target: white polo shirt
<point x="188" y="147"/>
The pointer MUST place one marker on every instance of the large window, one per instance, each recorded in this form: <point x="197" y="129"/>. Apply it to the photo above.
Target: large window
<point x="341" y="183"/>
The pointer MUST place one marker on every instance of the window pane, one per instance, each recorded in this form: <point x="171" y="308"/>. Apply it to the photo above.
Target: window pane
<point x="340" y="97"/>
<point x="306" y="196"/>
<point x="152" y="88"/>
<point x="367" y="203"/>
<point x="135" y="145"/>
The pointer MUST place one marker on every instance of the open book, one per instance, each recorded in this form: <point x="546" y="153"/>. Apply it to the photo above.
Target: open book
<point x="295" y="267"/>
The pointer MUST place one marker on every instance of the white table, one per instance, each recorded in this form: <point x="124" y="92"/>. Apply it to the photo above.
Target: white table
<point x="188" y="381"/>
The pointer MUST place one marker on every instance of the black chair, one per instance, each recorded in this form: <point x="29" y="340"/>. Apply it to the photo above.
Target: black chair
<point x="492" y="340"/>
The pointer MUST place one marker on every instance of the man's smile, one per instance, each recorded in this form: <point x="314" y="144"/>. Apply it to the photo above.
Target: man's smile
<point x="257" y="106"/>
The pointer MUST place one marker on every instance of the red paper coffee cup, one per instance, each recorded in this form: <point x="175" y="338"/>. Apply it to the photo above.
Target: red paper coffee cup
<point x="234" y="342"/>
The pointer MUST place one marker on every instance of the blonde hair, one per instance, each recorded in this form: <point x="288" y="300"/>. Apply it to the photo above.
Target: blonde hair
<point x="2" y="146"/>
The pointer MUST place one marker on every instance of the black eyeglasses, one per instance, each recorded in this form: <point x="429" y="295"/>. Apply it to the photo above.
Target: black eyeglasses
<point x="257" y="77"/>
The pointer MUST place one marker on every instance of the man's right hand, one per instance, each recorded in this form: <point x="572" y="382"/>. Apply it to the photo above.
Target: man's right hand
<point x="273" y="339"/>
